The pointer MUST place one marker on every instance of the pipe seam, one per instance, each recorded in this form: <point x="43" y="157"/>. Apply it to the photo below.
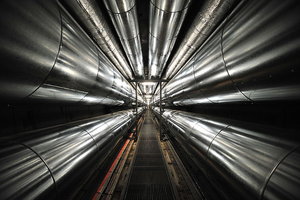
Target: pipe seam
<point x="226" y="68"/>
<point x="110" y="92"/>
<point x="274" y="170"/>
<point x="130" y="39"/>
<point x="95" y="78"/>
<point x="46" y="165"/>
<point x="116" y="13"/>
<point x="224" y="128"/>
<point x="169" y="11"/>
<point x="58" y="52"/>
<point x="92" y="138"/>
<point x="151" y="35"/>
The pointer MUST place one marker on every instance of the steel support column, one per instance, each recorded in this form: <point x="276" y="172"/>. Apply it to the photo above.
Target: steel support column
<point x="136" y="111"/>
<point x="160" y="112"/>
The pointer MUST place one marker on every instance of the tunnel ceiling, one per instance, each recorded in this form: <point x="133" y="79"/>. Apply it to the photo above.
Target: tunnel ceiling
<point x="208" y="51"/>
<point x="149" y="33"/>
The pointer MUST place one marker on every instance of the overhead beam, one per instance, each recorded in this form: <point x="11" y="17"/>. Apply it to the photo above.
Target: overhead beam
<point x="149" y="80"/>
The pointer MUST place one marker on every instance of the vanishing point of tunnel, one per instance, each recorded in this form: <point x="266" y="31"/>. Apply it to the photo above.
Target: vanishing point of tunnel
<point x="149" y="100"/>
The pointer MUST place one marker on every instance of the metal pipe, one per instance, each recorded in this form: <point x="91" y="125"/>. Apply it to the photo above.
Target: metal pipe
<point x="92" y="18"/>
<point x="252" y="58"/>
<point x="247" y="161"/>
<point x="281" y="175"/>
<point x="55" y="163"/>
<point x="124" y="16"/>
<point x="205" y="22"/>
<point x="24" y="48"/>
<point x="58" y="64"/>
<point x="166" y="18"/>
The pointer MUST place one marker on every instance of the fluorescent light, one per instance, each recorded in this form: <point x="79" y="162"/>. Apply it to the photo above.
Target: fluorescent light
<point x="149" y="83"/>
<point x="148" y="96"/>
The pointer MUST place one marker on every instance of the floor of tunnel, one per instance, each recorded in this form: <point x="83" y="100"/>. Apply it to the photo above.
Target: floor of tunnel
<point x="149" y="168"/>
<point x="149" y="177"/>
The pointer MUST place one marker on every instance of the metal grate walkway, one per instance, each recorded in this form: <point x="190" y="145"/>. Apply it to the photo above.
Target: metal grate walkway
<point x="149" y="179"/>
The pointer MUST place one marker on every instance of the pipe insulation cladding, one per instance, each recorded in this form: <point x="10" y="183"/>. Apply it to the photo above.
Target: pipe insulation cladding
<point x="46" y="56"/>
<point x="240" y="160"/>
<point x="123" y="14"/>
<point x="91" y="16"/>
<point x="253" y="57"/>
<point x="55" y="163"/>
<point x="210" y="15"/>
<point x="166" y="18"/>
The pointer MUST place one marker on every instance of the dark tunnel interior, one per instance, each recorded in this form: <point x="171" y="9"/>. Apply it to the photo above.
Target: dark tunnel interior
<point x="150" y="99"/>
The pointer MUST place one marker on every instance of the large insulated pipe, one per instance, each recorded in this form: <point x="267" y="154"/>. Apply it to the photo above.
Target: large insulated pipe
<point x="166" y="18"/>
<point x="241" y="160"/>
<point x="205" y="22"/>
<point x="254" y="57"/>
<point x="90" y="15"/>
<point x="47" y="56"/>
<point x="55" y="163"/>
<point x="124" y="16"/>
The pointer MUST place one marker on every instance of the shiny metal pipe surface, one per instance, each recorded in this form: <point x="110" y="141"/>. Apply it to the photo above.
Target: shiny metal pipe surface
<point x="166" y="18"/>
<point x="252" y="58"/>
<point x="205" y="22"/>
<point x="27" y="44"/>
<point x="243" y="161"/>
<point x="57" y="64"/>
<point x="92" y="18"/>
<point x="124" y="17"/>
<point x="55" y="163"/>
